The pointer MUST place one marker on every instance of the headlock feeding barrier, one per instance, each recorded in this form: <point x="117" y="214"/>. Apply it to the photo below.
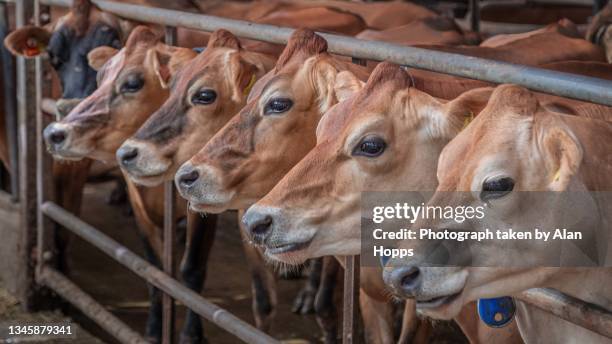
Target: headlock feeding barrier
<point x="30" y="180"/>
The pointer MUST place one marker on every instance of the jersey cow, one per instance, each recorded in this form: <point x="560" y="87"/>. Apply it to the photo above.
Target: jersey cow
<point x="131" y="87"/>
<point x="204" y="95"/>
<point x="241" y="162"/>
<point x="528" y="148"/>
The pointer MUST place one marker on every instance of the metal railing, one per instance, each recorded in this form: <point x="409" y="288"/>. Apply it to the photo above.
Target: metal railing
<point x="29" y="85"/>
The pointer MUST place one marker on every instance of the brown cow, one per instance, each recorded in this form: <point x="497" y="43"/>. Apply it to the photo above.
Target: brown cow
<point x="430" y="30"/>
<point x="204" y="95"/>
<point x="318" y="201"/>
<point x="320" y="197"/>
<point x="515" y="145"/>
<point x="379" y="15"/>
<point x="283" y="111"/>
<point x="558" y="42"/>
<point x="97" y="126"/>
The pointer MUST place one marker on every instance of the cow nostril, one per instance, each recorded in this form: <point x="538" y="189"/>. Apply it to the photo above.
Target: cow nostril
<point x="262" y="226"/>
<point x="57" y="136"/>
<point x="410" y="278"/>
<point x="187" y="179"/>
<point x="128" y="154"/>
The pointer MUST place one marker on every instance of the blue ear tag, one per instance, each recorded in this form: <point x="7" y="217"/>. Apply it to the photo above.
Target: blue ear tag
<point x="496" y="312"/>
<point x="198" y="49"/>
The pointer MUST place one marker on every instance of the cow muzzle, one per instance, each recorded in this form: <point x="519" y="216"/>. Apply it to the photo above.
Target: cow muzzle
<point x="202" y="187"/>
<point x="270" y="228"/>
<point x="142" y="163"/>
<point x="58" y="137"/>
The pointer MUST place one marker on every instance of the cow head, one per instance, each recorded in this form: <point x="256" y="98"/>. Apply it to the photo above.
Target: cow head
<point x="131" y="86"/>
<point x="271" y="133"/>
<point x="386" y="137"/>
<point x="514" y="145"/>
<point x="67" y="42"/>
<point x="204" y="95"/>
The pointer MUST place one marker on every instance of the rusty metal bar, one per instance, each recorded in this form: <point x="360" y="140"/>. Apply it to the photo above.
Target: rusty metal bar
<point x="26" y="114"/>
<point x="581" y="313"/>
<point x="156" y="277"/>
<point x="10" y="107"/>
<point x="86" y="304"/>
<point x="168" y="307"/>
<point x="559" y="83"/>
<point x="350" y="309"/>
<point x="45" y="241"/>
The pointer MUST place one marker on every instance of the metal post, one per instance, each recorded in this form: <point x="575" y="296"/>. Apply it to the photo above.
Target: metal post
<point x="168" y="308"/>
<point x="27" y="111"/>
<point x="44" y="164"/>
<point x="350" y="312"/>
<point x="10" y="108"/>
<point x="475" y="15"/>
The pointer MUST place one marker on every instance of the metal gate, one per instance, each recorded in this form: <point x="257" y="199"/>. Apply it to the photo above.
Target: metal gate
<point x="37" y="212"/>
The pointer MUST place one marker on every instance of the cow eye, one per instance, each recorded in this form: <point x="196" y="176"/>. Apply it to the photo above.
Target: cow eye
<point x="204" y="97"/>
<point x="278" y="105"/>
<point x="370" y="146"/>
<point x="132" y="84"/>
<point x="496" y="188"/>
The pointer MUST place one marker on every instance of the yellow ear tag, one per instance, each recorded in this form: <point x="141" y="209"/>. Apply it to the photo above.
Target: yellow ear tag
<point x="469" y="117"/>
<point x="248" y="88"/>
<point x="557" y="176"/>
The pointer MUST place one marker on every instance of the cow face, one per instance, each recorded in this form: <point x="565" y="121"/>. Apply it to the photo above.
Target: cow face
<point x="68" y="42"/>
<point x="387" y="137"/>
<point x="205" y="94"/>
<point x="513" y="145"/>
<point x="131" y="86"/>
<point x="271" y="133"/>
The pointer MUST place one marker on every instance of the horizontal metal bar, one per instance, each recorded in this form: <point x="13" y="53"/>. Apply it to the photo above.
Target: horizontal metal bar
<point x="86" y="304"/>
<point x="569" y="308"/>
<point x="156" y="277"/>
<point x="559" y="83"/>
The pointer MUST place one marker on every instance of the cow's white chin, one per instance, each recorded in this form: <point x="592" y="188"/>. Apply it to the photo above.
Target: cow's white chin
<point x="149" y="181"/>
<point x="292" y="253"/>
<point x="444" y="307"/>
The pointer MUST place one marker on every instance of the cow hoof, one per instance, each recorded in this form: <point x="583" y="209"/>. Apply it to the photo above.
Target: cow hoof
<point x="188" y="339"/>
<point x="304" y="302"/>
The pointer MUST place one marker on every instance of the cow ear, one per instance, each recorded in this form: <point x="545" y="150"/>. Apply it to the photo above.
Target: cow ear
<point x="346" y="84"/>
<point x="563" y="155"/>
<point x="99" y="56"/>
<point x="464" y="108"/>
<point x="165" y="61"/>
<point x="158" y="60"/>
<point x="28" y="41"/>
<point x="246" y="78"/>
